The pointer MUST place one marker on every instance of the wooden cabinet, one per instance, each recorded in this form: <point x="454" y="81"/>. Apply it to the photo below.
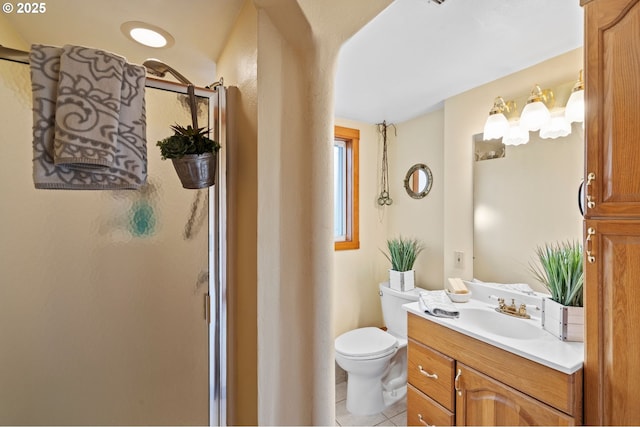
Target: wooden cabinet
<point x="612" y="226"/>
<point x="483" y="401"/>
<point x="458" y="380"/>
<point x="422" y="410"/>
<point x="612" y="91"/>
<point x="612" y="361"/>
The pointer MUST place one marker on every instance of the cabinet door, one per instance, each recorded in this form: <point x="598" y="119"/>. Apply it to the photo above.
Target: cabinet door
<point x="612" y="91"/>
<point x="481" y="400"/>
<point x="612" y="292"/>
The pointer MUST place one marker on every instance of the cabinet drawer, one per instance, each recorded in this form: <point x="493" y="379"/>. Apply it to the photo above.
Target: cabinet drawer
<point x="432" y="373"/>
<point x="421" y="410"/>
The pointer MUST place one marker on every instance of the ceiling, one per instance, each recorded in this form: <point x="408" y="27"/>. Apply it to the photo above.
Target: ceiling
<point x="404" y="63"/>
<point x="200" y="30"/>
<point x="416" y="53"/>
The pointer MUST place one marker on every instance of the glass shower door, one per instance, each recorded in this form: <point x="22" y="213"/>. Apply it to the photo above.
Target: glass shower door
<point x="102" y="293"/>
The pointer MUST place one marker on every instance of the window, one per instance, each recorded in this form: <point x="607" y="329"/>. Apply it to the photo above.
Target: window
<point x="346" y="204"/>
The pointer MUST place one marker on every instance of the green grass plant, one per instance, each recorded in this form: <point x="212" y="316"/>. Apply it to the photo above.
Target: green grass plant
<point x="403" y="253"/>
<point x="560" y="269"/>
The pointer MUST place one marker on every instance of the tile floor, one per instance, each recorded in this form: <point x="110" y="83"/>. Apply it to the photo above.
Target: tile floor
<point x="395" y="415"/>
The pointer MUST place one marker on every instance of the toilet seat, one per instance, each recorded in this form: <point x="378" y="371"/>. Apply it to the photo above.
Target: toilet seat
<point x="366" y="343"/>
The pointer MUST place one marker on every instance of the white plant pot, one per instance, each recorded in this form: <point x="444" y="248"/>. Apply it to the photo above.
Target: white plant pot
<point x="402" y="280"/>
<point x="565" y="323"/>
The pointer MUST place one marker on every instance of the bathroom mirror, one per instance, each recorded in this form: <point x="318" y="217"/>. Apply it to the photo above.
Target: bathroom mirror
<point x="523" y="199"/>
<point x="418" y="181"/>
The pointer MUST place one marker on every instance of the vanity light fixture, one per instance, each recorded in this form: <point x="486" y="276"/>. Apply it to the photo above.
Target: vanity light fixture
<point x="147" y="34"/>
<point x="536" y="113"/>
<point x="497" y="125"/>
<point x="574" y="111"/>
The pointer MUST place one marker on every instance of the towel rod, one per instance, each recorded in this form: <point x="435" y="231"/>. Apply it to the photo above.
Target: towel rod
<point x="22" y="57"/>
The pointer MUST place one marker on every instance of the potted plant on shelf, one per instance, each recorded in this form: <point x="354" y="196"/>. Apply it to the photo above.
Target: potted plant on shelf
<point x="560" y="269"/>
<point x="194" y="155"/>
<point x="402" y="255"/>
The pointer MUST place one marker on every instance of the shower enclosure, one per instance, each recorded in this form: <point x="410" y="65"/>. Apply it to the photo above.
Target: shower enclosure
<point x="112" y="303"/>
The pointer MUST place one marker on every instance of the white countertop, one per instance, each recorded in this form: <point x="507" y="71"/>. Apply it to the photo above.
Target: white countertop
<point x="544" y="348"/>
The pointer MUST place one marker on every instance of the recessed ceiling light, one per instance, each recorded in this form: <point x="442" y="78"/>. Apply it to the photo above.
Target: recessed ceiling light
<point x="147" y="34"/>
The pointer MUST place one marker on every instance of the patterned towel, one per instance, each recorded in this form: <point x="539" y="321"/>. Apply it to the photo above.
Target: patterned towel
<point x="437" y="303"/>
<point x="89" y="120"/>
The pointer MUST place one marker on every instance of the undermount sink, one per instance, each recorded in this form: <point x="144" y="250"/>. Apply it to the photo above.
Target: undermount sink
<point x="501" y="324"/>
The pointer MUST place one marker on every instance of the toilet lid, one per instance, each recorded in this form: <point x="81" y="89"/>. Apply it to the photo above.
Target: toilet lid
<point x="366" y="342"/>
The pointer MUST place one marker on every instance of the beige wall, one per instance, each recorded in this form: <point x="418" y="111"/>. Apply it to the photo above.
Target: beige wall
<point x="420" y="140"/>
<point x="9" y="37"/>
<point x="358" y="272"/>
<point x="282" y="211"/>
<point x="297" y="51"/>
<point x="238" y="65"/>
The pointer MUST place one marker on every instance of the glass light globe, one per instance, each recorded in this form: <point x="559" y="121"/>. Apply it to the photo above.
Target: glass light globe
<point x="574" y="111"/>
<point x="516" y="134"/>
<point x="534" y="116"/>
<point x="556" y="127"/>
<point x="495" y="127"/>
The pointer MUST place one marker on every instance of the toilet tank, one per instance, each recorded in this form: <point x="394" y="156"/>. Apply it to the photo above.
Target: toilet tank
<point x="395" y="317"/>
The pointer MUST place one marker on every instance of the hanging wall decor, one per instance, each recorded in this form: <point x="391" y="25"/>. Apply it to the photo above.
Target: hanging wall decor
<point x="384" y="199"/>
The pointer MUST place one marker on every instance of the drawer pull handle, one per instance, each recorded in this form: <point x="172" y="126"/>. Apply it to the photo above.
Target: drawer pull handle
<point x="427" y="374"/>
<point x="423" y="422"/>
<point x="456" y="382"/>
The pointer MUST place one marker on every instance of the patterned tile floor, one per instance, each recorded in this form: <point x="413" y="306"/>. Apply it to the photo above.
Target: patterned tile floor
<point x="395" y="415"/>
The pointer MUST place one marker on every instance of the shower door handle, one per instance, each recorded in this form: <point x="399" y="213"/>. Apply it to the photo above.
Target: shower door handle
<point x="207" y="308"/>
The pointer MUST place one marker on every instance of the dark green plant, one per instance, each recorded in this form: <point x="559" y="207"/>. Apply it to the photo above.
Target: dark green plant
<point x="403" y="253"/>
<point x="560" y="270"/>
<point x="187" y="141"/>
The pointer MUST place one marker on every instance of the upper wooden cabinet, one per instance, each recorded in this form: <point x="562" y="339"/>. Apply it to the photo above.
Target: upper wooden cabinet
<point x="612" y="96"/>
<point x="612" y="226"/>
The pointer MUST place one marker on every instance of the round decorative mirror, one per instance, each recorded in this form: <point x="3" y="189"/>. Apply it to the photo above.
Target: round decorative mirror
<point x="418" y="181"/>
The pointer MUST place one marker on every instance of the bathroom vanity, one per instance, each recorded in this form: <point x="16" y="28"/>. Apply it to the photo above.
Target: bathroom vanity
<point x="484" y="369"/>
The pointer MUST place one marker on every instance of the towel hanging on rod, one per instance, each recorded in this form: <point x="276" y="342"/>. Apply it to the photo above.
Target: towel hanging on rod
<point x="89" y="124"/>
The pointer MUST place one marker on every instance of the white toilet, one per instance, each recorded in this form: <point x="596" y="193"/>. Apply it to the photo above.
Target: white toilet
<point x="375" y="360"/>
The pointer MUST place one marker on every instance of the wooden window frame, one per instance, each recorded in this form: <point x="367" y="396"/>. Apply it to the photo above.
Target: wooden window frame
<point x="351" y="138"/>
